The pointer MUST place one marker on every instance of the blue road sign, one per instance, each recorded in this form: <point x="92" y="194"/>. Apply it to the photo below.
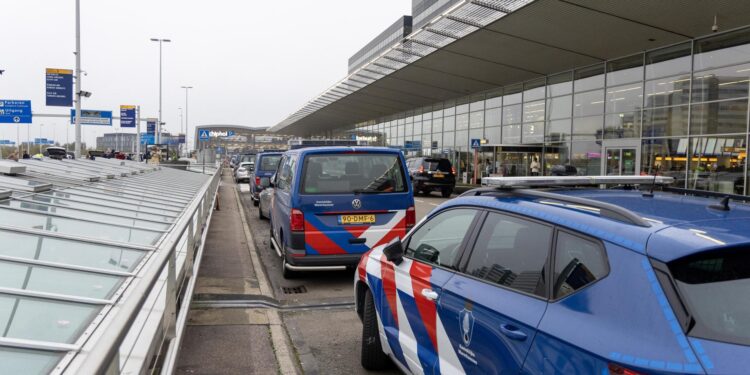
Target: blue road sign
<point x="15" y="111"/>
<point x="89" y="117"/>
<point x="147" y="138"/>
<point x="7" y="142"/>
<point x="127" y="116"/>
<point x="204" y="135"/>
<point x="220" y="150"/>
<point x="230" y="133"/>
<point x="151" y="126"/>
<point x="476" y="143"/>
<point x="59" y="87"/>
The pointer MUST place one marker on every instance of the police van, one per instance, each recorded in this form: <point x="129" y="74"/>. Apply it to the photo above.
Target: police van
<point x="333" y="204"/>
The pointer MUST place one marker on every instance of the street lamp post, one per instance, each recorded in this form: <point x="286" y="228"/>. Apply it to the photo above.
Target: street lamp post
<point x="179" y="146"/>
<point x="158" y="125"/>
<point x="78" y="80"/>
<point x="187" y="115"/>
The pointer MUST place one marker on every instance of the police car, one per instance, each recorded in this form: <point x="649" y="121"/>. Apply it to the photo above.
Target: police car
<point x="562" y="280"/>
<point x="332" y="204"/>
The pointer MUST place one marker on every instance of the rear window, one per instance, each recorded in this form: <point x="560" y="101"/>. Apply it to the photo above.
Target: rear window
<point x="349" y="173"/>
<point x="715" y="286"/>
<point x="442" y="165"/>
<point x="247" y="158"/>
<point x="269" y="162"/>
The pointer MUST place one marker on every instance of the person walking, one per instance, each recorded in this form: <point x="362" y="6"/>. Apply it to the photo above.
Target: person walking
<point x="534" y="166"/>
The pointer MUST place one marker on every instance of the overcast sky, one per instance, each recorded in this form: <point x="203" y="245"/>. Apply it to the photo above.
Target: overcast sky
<point x="251" y="62"/>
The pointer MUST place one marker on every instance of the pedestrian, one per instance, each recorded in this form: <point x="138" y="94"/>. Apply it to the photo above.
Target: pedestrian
<point x="26" y="155"/>
<point x="534" y="167"/>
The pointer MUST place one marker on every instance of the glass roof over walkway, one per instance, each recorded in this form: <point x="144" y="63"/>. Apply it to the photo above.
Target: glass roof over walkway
<point x="83" y="246"/>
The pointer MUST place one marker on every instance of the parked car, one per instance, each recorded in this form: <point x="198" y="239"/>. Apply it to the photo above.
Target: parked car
<point x="266" y="164"/>
<point x="244" y="171"/>
<point x="569" y="281"/>
<point x="332" y="204"/>
<point x="429" y="174"/>
<point x="265" y="201"/>
<point x="57" y="153"/>
<point x="233" y="161"/>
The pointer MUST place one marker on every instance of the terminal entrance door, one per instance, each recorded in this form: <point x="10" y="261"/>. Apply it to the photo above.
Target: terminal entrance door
<point x="621" y="158"/>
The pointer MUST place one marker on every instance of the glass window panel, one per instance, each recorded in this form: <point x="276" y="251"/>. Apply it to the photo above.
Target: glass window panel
<point x="462" y="121"/>
<point x="427" y="115"/>
<point x="449" y="139"/>
<point x="589" y="78"/>
<point x="533" y="111"/>
<point x="625" y="70"/>
<point x="437" y="113"/>
<point x="449" y="123"/>
<point x="560" y="84"/>
<point x="462" y="108"/>
<point x="555" y="154"/>
<point x="37" y="319"/>
<point x="558" y="130"/>
<point x="427" y="127"/>
<point x="721" y="50"/>
<point x="587" y="158"/>
<point x="417" y="127"/>
<point x="99" y="208"/>
<point x="449" y="110"/>
<point x="588" y="103"/>
<point x="719" y="117"/>
<point x="476" y="134"/>
<point x="578" y="263"/>
<point x="625" y="98"/>
<point x="22" y="361"/>
<point x="409" y="130"/>
<point x="668" y="61"/>
<point x="437" y="125"/>
<point x="43" y="209"/>
<point x="513" y="94"/>
<point x="588" y="128"/>
<point x="76" y="227"/>
<point x="665" y="157"/>
<point x="533" y="132"/>
<point x="534" y="90"/>
<point x="723" y="83"/>
<point x="492" y="117"/>
<point x="477" y="103"/>
<point x="60" y="281"/>
<point x="559" y="107"/>
<point x="512" y="114"/>
<point x="95" y="201"/>
<point x="442" y="236"/>
<point x="437" y="140"/>
<point x="462" y="138"/>
<point x="665" y="122"/>
<point x="511" y="134"/>
<point x="494" y="101"/>
<point x="622" y="125"/>
<point x="493" y="135"/>
<point x="722" y="171"/>
<point x="476" y="119"/>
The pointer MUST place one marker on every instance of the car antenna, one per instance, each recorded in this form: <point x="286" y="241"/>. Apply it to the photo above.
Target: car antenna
<point x="650" y="193"/>
<point x="722" y="206"/>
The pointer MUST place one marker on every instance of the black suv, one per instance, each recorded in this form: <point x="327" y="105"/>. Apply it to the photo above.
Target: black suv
<point x="428" y="174"/>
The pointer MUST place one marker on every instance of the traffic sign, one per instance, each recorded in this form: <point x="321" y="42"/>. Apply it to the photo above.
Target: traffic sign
<point x="147" y="139"/>
<point x="127" y="116"/>
<point x="476" y="143"/>
<point x="151" y="125"/>
<point x="15" y="111"/>
<point x="7" y="142"/>
<point x="230" y="133"/>
<point x="91" y="117"/>
<point x="203" y="135"/>
<point x="59" y="87"/>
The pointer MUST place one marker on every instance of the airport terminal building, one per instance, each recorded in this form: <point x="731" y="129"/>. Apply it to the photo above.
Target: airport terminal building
<point x="610" y="87"/>
<point x="232" y="139"/>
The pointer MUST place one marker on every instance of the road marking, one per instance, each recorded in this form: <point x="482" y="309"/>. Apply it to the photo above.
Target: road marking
<point x="419" y="200"/>
<point x="244" y="188"/>
<point x="434" y="204"/>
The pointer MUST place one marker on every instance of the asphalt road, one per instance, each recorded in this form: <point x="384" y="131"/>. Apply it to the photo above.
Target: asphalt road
<point x="326" y="340"/>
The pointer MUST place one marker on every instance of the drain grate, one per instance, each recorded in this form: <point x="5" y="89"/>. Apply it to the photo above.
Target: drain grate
<point x="294" y="290"/>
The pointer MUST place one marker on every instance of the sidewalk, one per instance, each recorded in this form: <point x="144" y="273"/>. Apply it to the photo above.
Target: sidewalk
<point x="220" y="340"/>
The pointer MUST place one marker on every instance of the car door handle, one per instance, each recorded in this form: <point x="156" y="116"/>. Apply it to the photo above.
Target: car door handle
<point x="512" y="332"/>
<point x="430" y="294"/>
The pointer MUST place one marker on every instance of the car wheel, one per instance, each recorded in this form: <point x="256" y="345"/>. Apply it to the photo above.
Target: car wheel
<point x="372" y="356"/>
<point x="256" y="202"/>
<point x="260" y="212"/>
<point x="446" y="193"/>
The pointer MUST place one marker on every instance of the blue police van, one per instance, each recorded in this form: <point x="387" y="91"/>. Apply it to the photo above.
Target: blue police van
<point x="563" y="280"/>
<point x="265" y="166"/>
<point x="333" y="204"/>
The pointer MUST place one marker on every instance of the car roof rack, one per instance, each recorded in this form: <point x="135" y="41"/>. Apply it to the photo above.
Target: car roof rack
<point x="552" y="181"/>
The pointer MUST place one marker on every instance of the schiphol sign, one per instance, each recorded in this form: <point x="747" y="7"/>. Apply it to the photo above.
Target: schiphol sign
<point x="221" y="133"/>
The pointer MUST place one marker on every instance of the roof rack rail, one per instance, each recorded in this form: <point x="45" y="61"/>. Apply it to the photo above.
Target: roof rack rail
<point x="707" y="194"/>
<point x="550" y="181"/>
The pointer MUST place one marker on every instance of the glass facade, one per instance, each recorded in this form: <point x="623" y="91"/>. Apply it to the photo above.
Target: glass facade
<point x="679" y="111"/>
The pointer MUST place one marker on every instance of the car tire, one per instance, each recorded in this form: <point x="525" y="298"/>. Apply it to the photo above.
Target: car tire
<point x="446" y="193"/>
<point x="372" y="356"/>
<point x="256" y="203"/>
<point x="260" y="212"/>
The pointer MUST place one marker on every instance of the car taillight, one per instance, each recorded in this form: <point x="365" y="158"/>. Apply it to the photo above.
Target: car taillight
<point x="297" y="220"/>
<point x="257" y="181"/>
<point x="453" y="170"/>
<point x="421" y="169"/>
<point x="411" y="218"/>
<point x="615" y="369"/>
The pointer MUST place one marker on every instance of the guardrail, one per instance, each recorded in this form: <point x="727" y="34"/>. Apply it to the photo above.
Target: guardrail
<point x="151" y="333"/>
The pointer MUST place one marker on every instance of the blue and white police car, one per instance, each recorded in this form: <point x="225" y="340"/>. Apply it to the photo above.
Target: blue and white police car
<point x="563" y="280"/>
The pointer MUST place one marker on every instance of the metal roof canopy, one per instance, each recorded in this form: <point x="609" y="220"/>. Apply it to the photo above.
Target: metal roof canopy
<point x="451" y="56"/>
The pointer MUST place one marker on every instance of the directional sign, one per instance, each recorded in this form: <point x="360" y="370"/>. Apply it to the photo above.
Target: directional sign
<point x="6" y="142"/>
<point x="59" y="87"/>
<point x="127" y="116"/>
<point x="476" y="143"/>
<point x="204" y="135"/>
<point x="15" y="111"/>
<point x="90" y="117"/>
<point x="151" y="125"/>
<point x="147" y="139"/>
<point x="230" y="133"/>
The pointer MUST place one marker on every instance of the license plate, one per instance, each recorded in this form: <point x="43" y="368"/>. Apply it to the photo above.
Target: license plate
<point x="356" y="219"/>
<point x="438" y="175"/>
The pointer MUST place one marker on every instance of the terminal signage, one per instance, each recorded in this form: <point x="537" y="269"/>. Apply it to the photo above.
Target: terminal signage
<point x="15" y="111"/>
<point x="151" y="125"/>
<point x="219" y="133"/>
<point x="204" y="135"/>
<point x="476" y="143"/>
<point x="59" y="87"/>
<point x="147" y="139"/>
<point x="127" y="116"/>
<point x="412" y="145"/>
<point x="6" y="142"/>
<point x="92" y="117"/>
<point x="43" y="141"/>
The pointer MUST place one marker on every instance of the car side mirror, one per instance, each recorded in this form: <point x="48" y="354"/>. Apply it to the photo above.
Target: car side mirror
<point x="394" y="252"/>
<point x="272" y="181"/>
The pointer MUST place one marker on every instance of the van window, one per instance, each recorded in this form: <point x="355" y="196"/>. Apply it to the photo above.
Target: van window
<point x="442" y="165"/>
<point x="269" y="162"/>
<point x="284" y="178"/>
<point x="354" y="172"/>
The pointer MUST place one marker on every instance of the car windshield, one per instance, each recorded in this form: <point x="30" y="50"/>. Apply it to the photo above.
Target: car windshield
<point x="269" y="162"/>
<point x="716" y="289"/>
<point x="442" y="165"/>
<point x="353" y="173"/>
